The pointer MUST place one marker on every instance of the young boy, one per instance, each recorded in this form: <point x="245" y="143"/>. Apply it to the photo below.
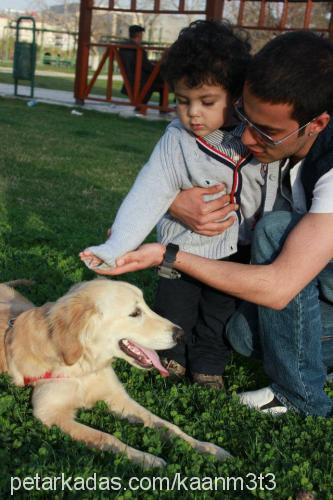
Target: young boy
<point x="206" y="68"/>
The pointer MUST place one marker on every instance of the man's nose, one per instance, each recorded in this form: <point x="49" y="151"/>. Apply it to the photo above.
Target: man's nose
<point x="248" y="137"/>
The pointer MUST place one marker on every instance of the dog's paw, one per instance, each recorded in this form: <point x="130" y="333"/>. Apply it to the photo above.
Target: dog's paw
<point x="146" y="460"/>
<point x="151" y="461"/>
<point x="213" y="449"/>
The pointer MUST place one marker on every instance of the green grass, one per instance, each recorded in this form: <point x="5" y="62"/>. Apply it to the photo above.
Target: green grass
<point x="61" y="181"/>
<point x="63" y="83"/>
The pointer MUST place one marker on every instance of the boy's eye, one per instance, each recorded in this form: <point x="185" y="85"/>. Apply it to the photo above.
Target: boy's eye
<point x="208" y="103"/>
<point x="179" y="101"/>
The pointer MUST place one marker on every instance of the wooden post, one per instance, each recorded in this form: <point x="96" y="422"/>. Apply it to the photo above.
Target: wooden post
<point x="214" y="9"/>
<point x="308" y="13"/>
<point x="82" y="58"/>
<point x="330" y="26"/>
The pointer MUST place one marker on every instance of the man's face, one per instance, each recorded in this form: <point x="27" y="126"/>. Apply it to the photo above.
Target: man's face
<point x="137" y="38"/>
<point x="202" y="109"/>
<point x="276" y="121"/>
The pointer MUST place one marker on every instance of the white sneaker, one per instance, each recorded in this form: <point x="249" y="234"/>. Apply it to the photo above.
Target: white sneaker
<point x="263" y="400"/>
<point x="329" y="377"/>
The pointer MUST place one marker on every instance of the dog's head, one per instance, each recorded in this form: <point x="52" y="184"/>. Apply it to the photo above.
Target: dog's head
<point x="93" y="323"/>
<point x="122" y="325"/>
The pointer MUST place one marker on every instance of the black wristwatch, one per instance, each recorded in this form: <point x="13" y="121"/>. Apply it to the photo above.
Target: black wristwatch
<point x="166" y="270"/>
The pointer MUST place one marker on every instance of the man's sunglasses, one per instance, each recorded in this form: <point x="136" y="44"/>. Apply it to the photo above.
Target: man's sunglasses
<point x="258" y="132"/>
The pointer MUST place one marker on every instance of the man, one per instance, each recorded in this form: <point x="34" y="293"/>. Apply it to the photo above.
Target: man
<point x="286" y="105"/>
<point x="129" y="58"/>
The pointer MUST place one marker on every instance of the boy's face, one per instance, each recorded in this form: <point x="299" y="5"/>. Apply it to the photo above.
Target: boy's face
<point x="203" y="109"/>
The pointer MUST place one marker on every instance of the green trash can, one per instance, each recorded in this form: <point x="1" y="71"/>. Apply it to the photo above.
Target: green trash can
<point x="25" y="56"/>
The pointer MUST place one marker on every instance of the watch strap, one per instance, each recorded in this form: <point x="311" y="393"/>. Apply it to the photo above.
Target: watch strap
<point x="166" y="270"/>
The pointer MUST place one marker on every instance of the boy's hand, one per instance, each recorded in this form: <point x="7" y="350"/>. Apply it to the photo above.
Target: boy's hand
<point x="204" y="217"/>
<point x="89" y="259"/>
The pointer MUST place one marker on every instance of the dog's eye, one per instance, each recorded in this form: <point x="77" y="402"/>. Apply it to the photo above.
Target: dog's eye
<point x="136" y="313"/>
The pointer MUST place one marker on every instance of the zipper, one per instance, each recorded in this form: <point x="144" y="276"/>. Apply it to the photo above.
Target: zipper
<point x="235" y="178"/>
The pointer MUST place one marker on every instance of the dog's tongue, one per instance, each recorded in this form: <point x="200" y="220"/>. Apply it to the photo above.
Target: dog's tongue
<point x="153" y="356"/>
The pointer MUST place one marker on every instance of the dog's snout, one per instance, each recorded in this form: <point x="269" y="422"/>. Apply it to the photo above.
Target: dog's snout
<point x="178" y="334"/>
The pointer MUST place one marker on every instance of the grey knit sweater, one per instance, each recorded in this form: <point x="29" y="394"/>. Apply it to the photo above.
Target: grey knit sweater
<point x="180" y="161"/>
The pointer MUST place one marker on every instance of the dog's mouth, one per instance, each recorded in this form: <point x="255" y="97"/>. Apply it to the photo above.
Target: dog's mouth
<point x="144" y="357"/>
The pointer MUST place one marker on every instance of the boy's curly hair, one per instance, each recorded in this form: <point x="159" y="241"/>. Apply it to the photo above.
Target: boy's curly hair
<point x="208" y="52"/>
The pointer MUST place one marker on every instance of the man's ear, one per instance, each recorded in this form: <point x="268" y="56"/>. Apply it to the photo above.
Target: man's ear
<point x="319" y="123"/>
<point x="69" y="319"/>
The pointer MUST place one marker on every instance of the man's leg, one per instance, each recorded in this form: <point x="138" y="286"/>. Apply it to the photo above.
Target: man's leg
<point x="325" y="285"/>
<point x="291" y="338"/>
<point x="242" y="330"/>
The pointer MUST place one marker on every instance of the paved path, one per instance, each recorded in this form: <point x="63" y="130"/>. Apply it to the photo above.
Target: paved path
<point x="64" y="98"/>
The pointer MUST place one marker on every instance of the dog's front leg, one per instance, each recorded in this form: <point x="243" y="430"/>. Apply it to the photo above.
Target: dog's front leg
<point x="53" y="405"/>
<point x="127" y="408"/>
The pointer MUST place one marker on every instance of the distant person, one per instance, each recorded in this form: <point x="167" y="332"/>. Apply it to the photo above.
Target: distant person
<point x="129" y="57"/>
<point x="206" y="68"/>
<point x="47" y="58"/>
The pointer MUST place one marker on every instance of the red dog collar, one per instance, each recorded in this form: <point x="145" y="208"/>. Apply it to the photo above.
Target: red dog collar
<point x="45" y="376"/>
<point x="31" y="380"/>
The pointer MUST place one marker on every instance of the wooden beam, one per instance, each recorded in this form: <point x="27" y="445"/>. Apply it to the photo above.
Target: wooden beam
<point x="214" y="9"/>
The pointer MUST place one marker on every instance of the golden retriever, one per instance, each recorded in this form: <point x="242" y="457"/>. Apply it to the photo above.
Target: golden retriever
<point x="65" y="349"/>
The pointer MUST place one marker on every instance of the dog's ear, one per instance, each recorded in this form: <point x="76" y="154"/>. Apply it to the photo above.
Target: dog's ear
<point x="69" y="319"/>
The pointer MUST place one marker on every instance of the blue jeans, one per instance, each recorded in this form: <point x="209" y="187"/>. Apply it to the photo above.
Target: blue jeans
<point x="296" y="343"/>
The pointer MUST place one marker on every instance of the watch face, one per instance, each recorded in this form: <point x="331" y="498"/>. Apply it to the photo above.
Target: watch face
<point x="171" y="252"/>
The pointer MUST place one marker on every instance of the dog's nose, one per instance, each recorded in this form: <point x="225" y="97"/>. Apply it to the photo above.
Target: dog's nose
<point x="178" y="334"/>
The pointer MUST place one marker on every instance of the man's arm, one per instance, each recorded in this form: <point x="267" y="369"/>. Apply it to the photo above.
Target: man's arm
<point x="307" y="250"/>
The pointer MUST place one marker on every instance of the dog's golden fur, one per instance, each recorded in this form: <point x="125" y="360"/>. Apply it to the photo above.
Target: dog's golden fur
<point x="11" y="305"/>
<point x="74" y="341"/>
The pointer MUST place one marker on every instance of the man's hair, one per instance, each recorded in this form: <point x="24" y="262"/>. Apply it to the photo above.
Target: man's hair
<point x="208" y="52"/>
<point x="295" y="68"/>
<point x="134" y="30"/>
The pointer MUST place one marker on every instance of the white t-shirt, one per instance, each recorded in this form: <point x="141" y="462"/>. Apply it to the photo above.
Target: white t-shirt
<point x="322" y="198"/>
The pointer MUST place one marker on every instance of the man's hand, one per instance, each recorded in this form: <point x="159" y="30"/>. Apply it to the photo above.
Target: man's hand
<point x="147" y="255"/>
<point x="204" y="217"/>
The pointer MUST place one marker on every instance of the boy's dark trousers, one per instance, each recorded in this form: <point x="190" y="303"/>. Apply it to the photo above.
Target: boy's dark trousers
<point x="202" y="312"/>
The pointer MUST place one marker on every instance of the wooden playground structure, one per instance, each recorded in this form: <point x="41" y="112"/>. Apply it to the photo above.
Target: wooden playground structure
<point x="260" y="20"/>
